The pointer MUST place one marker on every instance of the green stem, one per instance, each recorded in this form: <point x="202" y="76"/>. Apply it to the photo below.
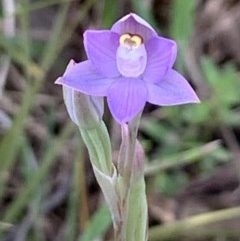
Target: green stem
<point x="99" y="147"/>
<point x="133" y="203"/>
<point x="136" y="229"/>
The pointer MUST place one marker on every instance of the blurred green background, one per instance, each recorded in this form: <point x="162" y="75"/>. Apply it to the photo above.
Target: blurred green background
<point x="47" y="188"/>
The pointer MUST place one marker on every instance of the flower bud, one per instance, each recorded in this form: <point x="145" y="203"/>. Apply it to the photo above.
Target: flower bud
<point x="138" y="162"/>
<point x="85" y="111"/>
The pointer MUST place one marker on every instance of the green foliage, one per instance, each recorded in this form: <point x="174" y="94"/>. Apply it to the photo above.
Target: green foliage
<point x="98" y="225"/>
<point x="176" y="134"/>
<point x="35" y="172"/>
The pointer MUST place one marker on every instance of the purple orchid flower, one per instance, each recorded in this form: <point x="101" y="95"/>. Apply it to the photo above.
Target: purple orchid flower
<point x="130" y="65"/>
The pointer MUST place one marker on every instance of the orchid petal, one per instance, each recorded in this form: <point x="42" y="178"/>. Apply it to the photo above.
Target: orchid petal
<point x="101" y="47"/>
<point x="83" y="78"/>
<point x="134" y="24"/>
<point x="161" y="53"/>
<point x="174" y="89"/>
<point x="126" y="97"/>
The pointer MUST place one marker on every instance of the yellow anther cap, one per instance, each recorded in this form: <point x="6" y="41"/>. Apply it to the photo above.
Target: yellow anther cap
<point x="130" y="41"/>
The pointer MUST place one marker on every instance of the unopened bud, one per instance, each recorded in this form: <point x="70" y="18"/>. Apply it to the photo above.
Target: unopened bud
<point x="86" y="111"/>
<point x="138" y="162"/>
<point x="131" y="159"/>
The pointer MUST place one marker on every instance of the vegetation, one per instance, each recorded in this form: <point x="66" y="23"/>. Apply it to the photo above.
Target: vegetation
<point x="47" y="189"/>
